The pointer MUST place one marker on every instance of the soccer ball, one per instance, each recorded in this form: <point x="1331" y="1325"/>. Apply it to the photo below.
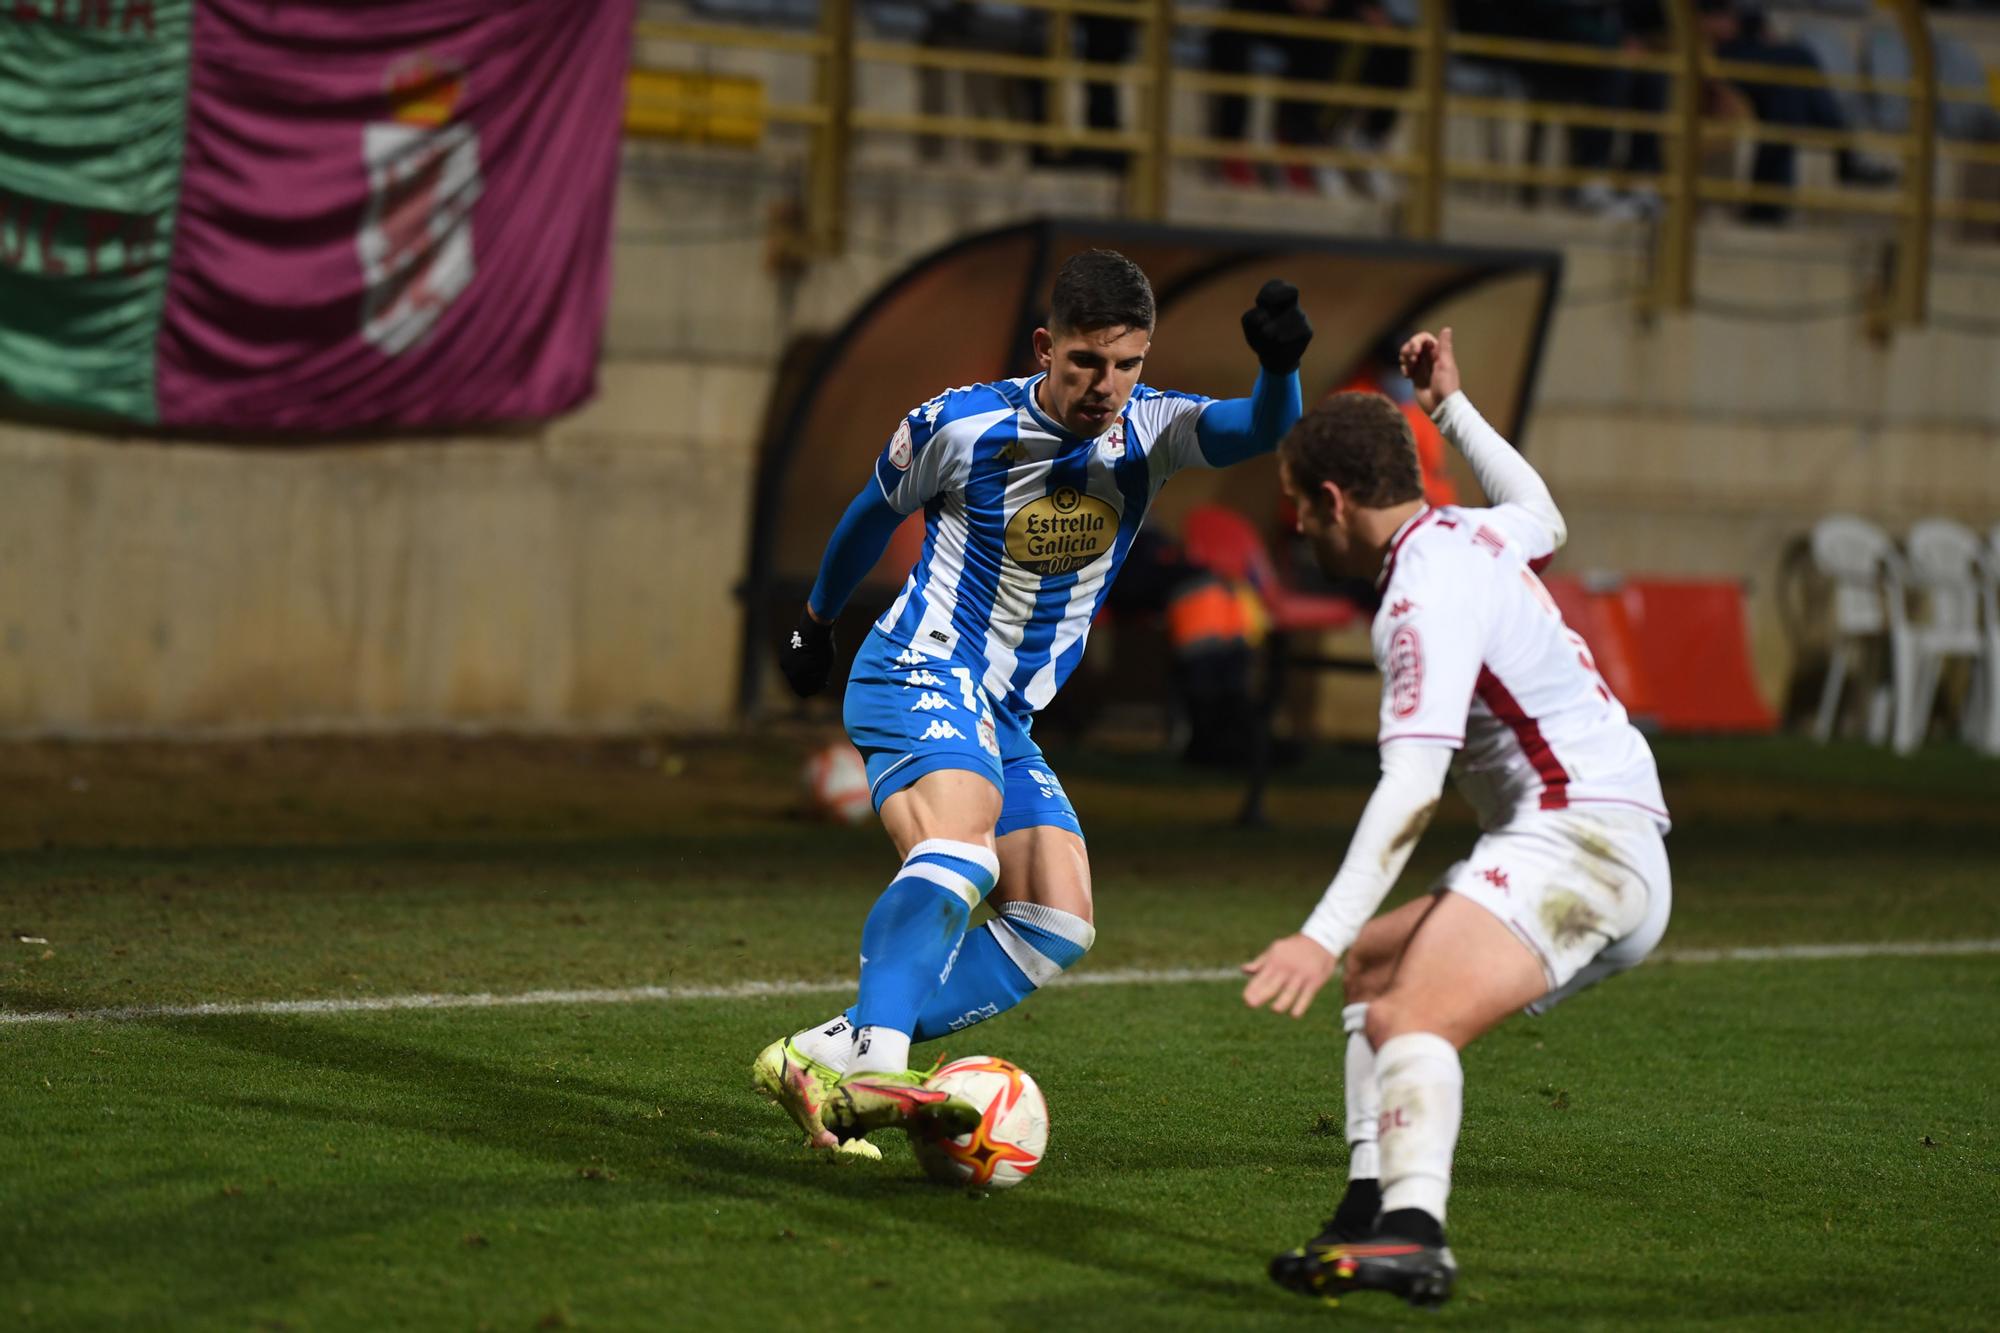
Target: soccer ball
<point x="1011" y="1137"/>
<point x="837" y="783"/>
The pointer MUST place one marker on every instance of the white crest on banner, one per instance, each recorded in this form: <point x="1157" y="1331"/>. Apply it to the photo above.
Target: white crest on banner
<point x="423" y="178"/>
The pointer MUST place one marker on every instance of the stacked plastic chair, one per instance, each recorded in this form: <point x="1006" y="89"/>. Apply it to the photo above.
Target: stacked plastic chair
<point x="1868" y="608"/>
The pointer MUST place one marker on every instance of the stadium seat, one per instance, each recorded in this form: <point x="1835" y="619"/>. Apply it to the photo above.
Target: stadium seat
<point x="1693" y="636"/>
<point x="1983" y="711"/>
<point x="1867" y="606"/>
<point x="1947" y="567"/>
<point x="1228" y="543"/>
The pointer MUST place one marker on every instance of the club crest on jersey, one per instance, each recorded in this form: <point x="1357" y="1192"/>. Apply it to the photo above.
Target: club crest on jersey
<point x="1062" y="532"/>
<point x="1114" y="441"/>
<point x="900" y="447"/>
<point x="1406" y="673"/>
<point x="989" y="739"/>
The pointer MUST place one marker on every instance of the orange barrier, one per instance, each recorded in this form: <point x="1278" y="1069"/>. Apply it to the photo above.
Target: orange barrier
<point x="1603" y="621"/>
<point x="1674" y="651"/>
<point x="1692" y="637"/>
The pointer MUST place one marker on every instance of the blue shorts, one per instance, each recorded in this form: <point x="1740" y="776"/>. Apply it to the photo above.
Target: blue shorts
<point x="911" y="717"/>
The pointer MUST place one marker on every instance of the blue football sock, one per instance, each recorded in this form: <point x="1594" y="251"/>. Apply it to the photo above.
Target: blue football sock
<point x="1001" y="963"/>
<point x="910" y="939"/>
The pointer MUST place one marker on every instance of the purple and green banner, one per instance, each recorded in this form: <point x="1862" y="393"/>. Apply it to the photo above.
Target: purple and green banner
<point x="314" y="216"/>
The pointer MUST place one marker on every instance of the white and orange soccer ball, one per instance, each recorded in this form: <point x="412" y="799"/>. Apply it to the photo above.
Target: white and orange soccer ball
<point x="1012" y="1134"/>
<point x="837" y="783"/>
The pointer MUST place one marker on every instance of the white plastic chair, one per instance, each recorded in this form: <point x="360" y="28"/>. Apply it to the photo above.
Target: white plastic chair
<point x="1946" y="563"/>
<point x="1982" y="710"/>
<point x="1867" y="577"/>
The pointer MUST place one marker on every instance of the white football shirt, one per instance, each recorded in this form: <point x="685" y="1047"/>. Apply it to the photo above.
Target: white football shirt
<point x="1474" y="655"/>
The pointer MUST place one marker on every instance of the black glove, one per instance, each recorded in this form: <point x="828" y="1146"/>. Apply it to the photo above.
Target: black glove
<point x="1276" y="329"/>
<point x="807" y="656"/>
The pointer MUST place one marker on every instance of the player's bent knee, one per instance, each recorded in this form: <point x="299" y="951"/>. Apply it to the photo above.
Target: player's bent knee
<point x="1044" y="942"/>
<point x="1364" y="980"/>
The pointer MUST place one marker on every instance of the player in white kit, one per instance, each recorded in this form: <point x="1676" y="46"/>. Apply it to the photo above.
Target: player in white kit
<point x="1568" y="882"/>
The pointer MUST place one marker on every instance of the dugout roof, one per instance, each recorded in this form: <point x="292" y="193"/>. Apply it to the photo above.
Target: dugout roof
<point x="967" y="312"/>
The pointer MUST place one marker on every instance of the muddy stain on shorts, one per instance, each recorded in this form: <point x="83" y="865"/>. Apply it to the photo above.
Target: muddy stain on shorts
<point x="1569" y="918"/>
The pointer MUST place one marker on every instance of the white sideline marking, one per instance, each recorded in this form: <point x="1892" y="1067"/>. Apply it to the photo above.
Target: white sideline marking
<point x="755" y="990"/>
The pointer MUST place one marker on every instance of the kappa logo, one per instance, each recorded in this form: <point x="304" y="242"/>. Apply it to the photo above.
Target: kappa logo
<point x="930" y="701"/>
<point x="798" y="640"/>
<point x="1495" y="876"/>
<point x="1012" y="452"/>
<point x="1402" y="608"/>
<point x="900" y="447"/>
<point x="941" y="730"/>
<point x="930" y="678"/>
<point x="909" y="657"/>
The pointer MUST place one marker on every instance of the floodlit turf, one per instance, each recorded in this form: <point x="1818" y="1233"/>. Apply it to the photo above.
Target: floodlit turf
<point x="1804" y="1145"/>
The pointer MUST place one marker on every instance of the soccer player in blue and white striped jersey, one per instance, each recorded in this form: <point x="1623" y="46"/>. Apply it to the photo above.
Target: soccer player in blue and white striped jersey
<point x="1032" y="491"/>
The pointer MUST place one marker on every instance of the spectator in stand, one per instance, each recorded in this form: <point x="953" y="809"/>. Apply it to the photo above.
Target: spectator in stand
<point x="1309" y="59"/>
<point x="1598" y="23"/>
<point x="1737" y="32"/>
<point x="1015" y="30"/>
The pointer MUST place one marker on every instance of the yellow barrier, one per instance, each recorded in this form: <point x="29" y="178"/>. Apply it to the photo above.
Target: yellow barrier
<point x="721" y="109"/>
<point x="696" y="108"/>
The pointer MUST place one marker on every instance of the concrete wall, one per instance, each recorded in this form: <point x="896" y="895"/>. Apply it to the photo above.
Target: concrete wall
<point x="582" y="575"/>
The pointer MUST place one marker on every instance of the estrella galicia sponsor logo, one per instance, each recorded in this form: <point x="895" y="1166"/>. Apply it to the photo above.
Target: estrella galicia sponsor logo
<point x="941" y="730"/>
<point x="1062" y="532"/>
<point x="930" y="701"/>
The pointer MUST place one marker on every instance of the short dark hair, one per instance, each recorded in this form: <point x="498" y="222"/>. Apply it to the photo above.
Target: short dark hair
<point x="1100" y="289"/>
<point x="1360" y="442"/>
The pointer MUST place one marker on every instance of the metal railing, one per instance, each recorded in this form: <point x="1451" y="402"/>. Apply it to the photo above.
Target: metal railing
<point x="831" y="117"/>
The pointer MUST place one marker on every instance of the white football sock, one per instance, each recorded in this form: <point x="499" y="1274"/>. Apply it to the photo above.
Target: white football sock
<point x="831" y="1043"/>
<point x="879" y="1050"/>
<point x="1364" y="1097"/>
<point x="1423" y="1093"/>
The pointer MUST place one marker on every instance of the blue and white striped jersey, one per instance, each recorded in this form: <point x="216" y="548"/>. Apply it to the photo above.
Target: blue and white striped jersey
<point x="1025" y="525"/>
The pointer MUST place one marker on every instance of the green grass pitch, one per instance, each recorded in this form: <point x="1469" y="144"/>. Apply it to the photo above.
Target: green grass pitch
<point x="1781" y="1144"/>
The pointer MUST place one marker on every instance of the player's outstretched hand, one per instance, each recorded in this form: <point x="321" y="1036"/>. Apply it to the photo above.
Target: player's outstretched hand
<point x="1287" y="975"/>
<point x="1276" y="329"/>
<point x="807" y="655"/>
<point x="1428" y="364"/>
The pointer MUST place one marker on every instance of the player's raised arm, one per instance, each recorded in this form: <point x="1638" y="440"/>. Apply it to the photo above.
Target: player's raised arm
<point x="1289" y="973"/>
<point x="1277" y="330"/>
<point x="1505" y="476"/>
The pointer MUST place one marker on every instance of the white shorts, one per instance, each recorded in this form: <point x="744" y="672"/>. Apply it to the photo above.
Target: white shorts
<point x="1589" y="894"/>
